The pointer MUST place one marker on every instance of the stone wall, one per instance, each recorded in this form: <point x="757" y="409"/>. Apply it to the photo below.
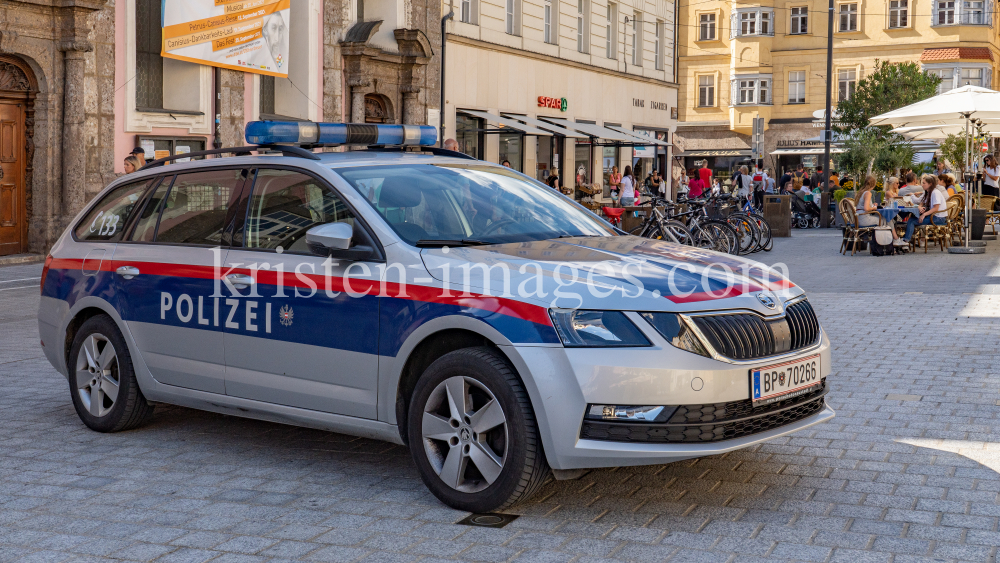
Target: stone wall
<point x="231" y="107"/>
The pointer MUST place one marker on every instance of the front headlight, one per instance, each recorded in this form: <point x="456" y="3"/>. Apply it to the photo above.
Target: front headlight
<point x="673" y="328"/>
<point x="595" y="329"/>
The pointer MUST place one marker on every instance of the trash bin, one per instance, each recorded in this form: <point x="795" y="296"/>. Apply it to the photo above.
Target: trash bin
<point x="978" y="223"/>
<point x="778" y="214"/>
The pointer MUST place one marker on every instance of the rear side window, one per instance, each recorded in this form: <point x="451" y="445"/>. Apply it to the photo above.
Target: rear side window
<point x="107" y="219"/>
<point x="285" y="205"/>
<point x="194" y="210"/>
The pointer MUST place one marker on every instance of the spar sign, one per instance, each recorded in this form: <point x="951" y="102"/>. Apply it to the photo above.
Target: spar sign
<point x="247" y="35"/>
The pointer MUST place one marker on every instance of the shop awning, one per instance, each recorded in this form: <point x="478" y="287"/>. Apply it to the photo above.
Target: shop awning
<point x="813" y="150"/>
<point x="592" y="130"/>
<point x="505" y="122"/>
<point x="716" y="152"/>
<point x="556" y="129"/>
<point x="642" y="138"/>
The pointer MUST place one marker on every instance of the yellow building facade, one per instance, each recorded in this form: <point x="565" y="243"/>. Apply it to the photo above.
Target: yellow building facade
<point x="740" y="60"/>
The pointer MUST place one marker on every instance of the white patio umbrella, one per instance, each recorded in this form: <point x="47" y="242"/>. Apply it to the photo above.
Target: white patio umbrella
<point x="953" y="105"/>
<point x="956" y="107"/>
<point x="937" y="132"/>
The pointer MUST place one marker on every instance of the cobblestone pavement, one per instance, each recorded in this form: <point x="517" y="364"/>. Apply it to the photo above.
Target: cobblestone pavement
<point x="907" y="472"/>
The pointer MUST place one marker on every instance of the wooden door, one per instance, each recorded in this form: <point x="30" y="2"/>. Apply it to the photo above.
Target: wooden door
<point x="12" y="196"/>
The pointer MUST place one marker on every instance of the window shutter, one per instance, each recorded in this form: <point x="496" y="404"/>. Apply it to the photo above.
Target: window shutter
<point x="734" y="23"/>
<point x="733" y="92"/>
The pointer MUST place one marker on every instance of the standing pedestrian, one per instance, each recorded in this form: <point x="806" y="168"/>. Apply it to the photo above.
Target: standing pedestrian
<point x="628" y="187"/>
<point x="140" y="156"/>
<point x="131" y="164"/>
<point x="991" y="175"/>
<point x="553" y="181"/>
<point x="705" y="174"/>
<point x="614" y="182"/>
<point x="743" y="182"/>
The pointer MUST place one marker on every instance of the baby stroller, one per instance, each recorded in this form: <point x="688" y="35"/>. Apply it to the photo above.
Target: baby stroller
<point x="805" y="214"/>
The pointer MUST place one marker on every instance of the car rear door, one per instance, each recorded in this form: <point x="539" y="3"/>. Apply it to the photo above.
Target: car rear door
<point x="166" y="276"/>
<point x="295" y="336"/>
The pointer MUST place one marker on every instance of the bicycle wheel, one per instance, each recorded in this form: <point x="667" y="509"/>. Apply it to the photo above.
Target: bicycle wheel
<point x="717" y="236"/>
<point x="765" y="243"/>
<point x="679" y="232"/>
<point x="748" y="233"/>
<point x="640" y="231"/>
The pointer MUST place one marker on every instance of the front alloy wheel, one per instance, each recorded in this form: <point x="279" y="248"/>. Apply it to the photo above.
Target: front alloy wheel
<point x="465" y="434"/>
<point x="472" y="432"/>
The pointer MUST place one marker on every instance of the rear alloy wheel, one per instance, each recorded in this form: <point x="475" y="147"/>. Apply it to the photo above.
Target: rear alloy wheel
<point x="102" y="382"/>
<point x="472" y="432"/>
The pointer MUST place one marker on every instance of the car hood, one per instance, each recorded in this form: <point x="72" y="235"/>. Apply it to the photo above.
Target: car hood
<point x="615" y="273"/>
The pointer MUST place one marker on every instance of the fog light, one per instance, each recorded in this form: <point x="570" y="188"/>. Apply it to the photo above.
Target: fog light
<point x="630" y="413"/>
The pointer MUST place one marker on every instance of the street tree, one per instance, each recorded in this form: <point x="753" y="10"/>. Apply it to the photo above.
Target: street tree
<point x="953" y="150"/>
<point x="891" y="86"/>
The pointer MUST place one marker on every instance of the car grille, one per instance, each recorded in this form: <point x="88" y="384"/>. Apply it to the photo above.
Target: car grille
<point x="710" y="423"/>
<point x="747" y="336"/>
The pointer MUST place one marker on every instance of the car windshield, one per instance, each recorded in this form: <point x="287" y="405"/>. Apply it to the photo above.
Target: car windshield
<point x="470" y="204"/>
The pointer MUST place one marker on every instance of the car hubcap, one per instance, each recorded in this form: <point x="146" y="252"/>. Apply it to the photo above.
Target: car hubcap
<point x="97" y="378"/>
<point x="465" y="434"/>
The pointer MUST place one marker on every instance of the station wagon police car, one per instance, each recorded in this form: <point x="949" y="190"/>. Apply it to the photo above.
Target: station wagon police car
<point x="414" y="295"/>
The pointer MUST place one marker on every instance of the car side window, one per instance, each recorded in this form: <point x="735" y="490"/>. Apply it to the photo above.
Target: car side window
<point x="194" y="211"/>
<point x="285" y="204"/>
<point x="145" y="226"/>
<point x="106" y="221"/>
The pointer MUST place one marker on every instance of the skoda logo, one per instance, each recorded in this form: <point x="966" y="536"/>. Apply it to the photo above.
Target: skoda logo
<point x="767" y="299"/>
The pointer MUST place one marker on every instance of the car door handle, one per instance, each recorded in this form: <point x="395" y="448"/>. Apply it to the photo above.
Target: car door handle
<point x="127" y="272"/>
<point x="240" y="281"/>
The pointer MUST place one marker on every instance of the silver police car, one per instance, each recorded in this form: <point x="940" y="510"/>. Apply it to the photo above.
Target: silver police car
<point x="409" y="294"/>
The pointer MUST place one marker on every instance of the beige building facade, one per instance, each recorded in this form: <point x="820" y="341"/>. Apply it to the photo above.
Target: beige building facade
<point x="563" y="86"/>
<point x="768" y="59"/>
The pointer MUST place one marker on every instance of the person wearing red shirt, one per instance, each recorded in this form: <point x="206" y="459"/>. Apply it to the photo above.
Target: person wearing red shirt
<point x="696" y="186"/>
<point x="705" y="174"/>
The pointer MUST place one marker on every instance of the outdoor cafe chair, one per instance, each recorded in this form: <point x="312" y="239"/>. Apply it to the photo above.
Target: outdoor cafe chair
<point x="852" y="232"/>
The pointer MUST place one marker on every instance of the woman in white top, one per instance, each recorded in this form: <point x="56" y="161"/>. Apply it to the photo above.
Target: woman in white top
<point x="865" y="205"/>
<point x="933" y="208"/>
<point x="742" y="182"/>
<point x="991" y="174"/>
<point x="628" y="188"/>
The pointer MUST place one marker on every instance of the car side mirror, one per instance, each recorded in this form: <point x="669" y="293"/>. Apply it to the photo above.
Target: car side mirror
<point x="334" y="240"/>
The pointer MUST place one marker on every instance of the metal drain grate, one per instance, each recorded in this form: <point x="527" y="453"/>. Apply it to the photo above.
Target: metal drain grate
<point x="489" y="520"/>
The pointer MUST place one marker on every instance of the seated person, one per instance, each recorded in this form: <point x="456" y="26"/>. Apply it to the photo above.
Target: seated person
<point x="932" y="208"/>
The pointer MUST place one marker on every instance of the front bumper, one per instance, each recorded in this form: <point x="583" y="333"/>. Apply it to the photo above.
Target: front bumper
<point x="562" y="382"/>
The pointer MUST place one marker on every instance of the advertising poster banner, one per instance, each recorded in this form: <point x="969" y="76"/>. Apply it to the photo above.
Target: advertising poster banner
<point x="247" y="35"/>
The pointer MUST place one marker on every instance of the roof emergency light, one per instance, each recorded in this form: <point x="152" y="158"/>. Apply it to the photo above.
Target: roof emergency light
<point x="312" y="133"/>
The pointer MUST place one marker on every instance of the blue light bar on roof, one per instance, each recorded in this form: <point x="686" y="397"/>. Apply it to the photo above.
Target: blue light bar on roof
<point x="311" y="133"/>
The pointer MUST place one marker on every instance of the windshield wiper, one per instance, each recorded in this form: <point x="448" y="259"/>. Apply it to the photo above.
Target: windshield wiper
<point x="579" y="236"/>
<point x="436" y="243"/>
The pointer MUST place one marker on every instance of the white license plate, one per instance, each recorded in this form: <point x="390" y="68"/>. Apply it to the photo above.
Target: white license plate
<point x="785" y="380"/>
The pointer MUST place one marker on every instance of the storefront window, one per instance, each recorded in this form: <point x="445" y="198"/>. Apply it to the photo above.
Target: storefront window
<point x="609" y="159"/>
<point x="547" y="156"/>
<point x="512" y="149"/>
<point x="584" y="163"/>
<point x="468" y="133"/>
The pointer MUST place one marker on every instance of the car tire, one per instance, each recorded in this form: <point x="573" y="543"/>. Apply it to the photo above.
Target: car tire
<point x="457" y="453"/>
<point x="102" y="380"/>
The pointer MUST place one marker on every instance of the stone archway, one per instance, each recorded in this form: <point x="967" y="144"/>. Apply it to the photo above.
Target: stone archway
<point x="18" y="88"/>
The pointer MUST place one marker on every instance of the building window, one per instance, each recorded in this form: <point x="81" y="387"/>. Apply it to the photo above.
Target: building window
<point x="945" y="12"/>
<point x="636" y="40"/>
<point x="148" y="62"/>
<point x="658" y="46"/>
<point x="752" y="90"/>
<point x="706" y="27"/>
<point x="612" y="30"/>
<point x="947" y="76"/>
<point x="972" y="77"/>
<point x="898" y="14"/>
<point x="468" y="14"/>
<point x="797" y="87"/>
<point x="848" y="17"/>
<point x="513" y="18"/>
<point x="706" y="91"/>
<point x="847" y="81"/>
<point x="753" y="22"/>
<point x="469" y="132"/>
<point x="800" y="20"/>
<point x="266" y="96"/>
<point x="359" y="6"/>
<point x="973" y="12"/>
<point x="547" y="24"/>
<point x="583" y="26"/>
